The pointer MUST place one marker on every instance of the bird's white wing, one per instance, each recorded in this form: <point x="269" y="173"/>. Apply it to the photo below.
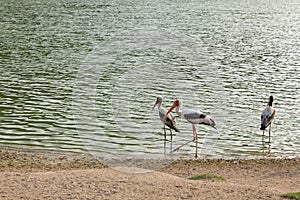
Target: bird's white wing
<point x="194" y="116"/>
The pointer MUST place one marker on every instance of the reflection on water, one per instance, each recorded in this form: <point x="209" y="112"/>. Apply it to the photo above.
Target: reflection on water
<point x="83" y="76"/>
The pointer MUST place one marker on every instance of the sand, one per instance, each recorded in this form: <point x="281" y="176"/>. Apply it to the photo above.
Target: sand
<point x="36" y="175"/>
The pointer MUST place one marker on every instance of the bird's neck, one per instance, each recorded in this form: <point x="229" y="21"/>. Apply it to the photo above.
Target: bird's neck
<point x="178" y="110"/>
<point x="159" y="106"/>
<point x="270" y="103"/>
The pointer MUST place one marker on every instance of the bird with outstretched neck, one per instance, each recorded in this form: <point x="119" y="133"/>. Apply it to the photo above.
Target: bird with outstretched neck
<point x="194" y="117"/>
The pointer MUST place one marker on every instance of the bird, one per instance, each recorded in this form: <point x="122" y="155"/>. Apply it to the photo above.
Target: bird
<point x="169" y="120"/>
<point x="194" y="117"/>
<point x="267" y="117"/>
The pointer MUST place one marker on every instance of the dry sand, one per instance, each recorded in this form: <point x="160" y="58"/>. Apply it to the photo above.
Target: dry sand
<point x="32" y="175"/>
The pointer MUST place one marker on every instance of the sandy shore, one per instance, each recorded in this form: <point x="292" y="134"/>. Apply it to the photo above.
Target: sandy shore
<point x="34" y="175"/>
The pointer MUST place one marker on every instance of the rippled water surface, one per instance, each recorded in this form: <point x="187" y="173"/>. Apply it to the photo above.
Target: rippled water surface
<point x="83" y="75"/>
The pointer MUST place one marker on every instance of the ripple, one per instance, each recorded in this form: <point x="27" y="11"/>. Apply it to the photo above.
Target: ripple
<point x="84" y="76"/>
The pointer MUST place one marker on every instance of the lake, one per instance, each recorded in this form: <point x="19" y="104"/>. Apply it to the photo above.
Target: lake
<point x="82" y="76"/>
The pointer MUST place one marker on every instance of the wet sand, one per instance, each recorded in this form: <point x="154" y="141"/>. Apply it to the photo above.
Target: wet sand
<point x="37" y="175"/>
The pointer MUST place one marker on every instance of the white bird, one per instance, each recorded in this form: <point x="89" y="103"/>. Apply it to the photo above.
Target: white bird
<point x="170" y="120"/>
<point x="267" y="117"/>
<point x="194" y="117"/>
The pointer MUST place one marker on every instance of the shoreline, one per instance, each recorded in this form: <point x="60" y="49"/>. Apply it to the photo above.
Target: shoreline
<point x="32" y="175"/>
<point x="12" y="158"/>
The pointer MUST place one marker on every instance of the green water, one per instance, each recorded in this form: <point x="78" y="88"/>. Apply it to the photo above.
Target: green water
<point x="83" y="76"/>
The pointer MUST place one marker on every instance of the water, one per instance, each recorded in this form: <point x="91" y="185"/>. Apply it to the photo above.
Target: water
<point x="82" y="76"/>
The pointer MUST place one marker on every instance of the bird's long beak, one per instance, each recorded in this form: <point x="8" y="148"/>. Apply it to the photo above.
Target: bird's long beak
<point x="154" y="105"/>
<point x="213" y="124"/>
<point x="170" y="110"/>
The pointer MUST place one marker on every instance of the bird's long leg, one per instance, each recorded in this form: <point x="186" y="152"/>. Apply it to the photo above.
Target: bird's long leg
<point x="165" y="142"/>
<point x="165" y="132"/>
<point x="195" y="139"/>
<point x="171" y="134"/>
<point x="269" y="148"/>
<point x="270" y="134"/>
<point x="171" y="146"/>
<point x="262" y="141"/>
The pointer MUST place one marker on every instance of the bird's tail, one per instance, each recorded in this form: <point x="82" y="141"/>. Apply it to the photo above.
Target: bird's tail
<point x="262" y="127"/>
<point x="176" y="129"/>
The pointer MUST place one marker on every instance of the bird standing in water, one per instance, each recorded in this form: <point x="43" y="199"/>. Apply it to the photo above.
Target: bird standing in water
<point x="267" y="117"/>
<point x="170" y="120"/>
<point x="194" y="117"/>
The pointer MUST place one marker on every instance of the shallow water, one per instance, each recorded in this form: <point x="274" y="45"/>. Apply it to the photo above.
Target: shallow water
<point x="83" y="76"/>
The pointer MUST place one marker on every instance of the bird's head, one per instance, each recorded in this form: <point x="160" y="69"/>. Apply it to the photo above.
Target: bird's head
<point x="212" y="123"/>
<point x="175" y="104"/>
<point x="158" y="101"/>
